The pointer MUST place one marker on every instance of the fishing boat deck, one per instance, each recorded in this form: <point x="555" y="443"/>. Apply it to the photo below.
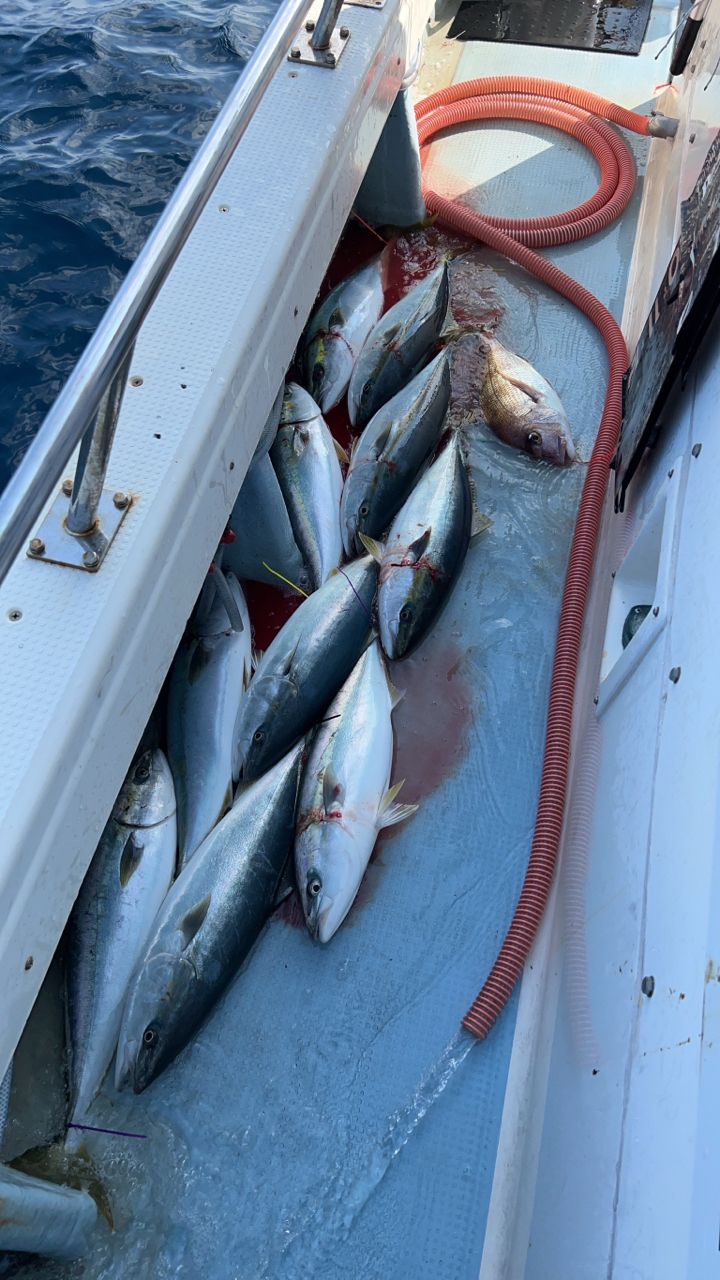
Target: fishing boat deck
<point x="329" y="1119"/>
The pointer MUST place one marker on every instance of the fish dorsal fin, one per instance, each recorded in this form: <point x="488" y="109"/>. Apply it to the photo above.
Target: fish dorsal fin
<point x="300" y="439"/>
<point x="373" y="548"/>
<point x="480" y="523"/>
<point x="417" y="549"/>
<point x="130" y="859"/>
<point x="192" y="922"/>
<point x="333" y="790"/>
<point x="342" y="454"/>
<point x="390" y="813"/>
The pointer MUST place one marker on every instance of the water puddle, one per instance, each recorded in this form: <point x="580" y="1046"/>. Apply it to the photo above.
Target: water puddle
<point x="317" y="1229"/>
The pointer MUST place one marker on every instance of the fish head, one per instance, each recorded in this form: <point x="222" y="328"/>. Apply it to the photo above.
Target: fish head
<point x="155" y="1021"/>
<point x="256" y="739"/>
<point x="328" y="365"/>
<point x="357" y="507"/>
<point x="147" y="795"/>
<point x="327" y="882"/>
<point x="549" y="439"/>
<point x="398" y="609"/>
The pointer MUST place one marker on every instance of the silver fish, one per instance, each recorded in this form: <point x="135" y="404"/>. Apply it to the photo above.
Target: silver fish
<point x="306" y="464"/>
<point x="41" y="1217"/>
<point x="128" y="878"/>
<point x="345" y="795"/>
<point x="390" y="453"/>
<point x="269" y="431"/>
<point x="337" y="332"/>
<point x="522" y="408"/>
<point x="208" y="924"/>
<point x="210" y="673"/>
<point x="398" y="345"/>
<point x="424" y="552"/>
<point x="263" y="533"/>
<point x="305" y="665"/>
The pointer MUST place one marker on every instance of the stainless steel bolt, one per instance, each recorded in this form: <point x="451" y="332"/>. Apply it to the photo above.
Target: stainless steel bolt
<point x="67" y="487"/>
<point x="330" y="59"/>
<point x="90" y="559"/>
<point x="121" y="501"/>
<point x="295" y="52"/>
<point x="37" y="547"/>
<point x="309" y="25"/>
<point x="344" y="33"/>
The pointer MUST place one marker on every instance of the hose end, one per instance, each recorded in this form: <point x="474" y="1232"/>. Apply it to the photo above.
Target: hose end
<point x="660" y="126"/>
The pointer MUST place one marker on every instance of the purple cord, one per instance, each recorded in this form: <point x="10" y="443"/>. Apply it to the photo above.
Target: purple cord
<point x="117" y="1133"/>
<point x="362" y="602"/>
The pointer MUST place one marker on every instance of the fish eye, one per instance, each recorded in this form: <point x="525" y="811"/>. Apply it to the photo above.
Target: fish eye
<point x="365" y="509"/>
<point x="142" y="770"/>
<point x="259" y="736"/>
<point x="405" y="614"/>
<point x="314" y="886"/>
<point x="149" y="1035"/>
<point x="534" y="438"/>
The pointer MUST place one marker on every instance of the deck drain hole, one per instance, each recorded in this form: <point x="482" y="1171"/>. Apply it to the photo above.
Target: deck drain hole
<point x="232" y="466"/>
<point x="696" y="449"/>
<point x="29" y="963"/>
<point x="647" y="986"/>
<point x="674" y="674"/>
<point x="183" y="386"/>
<point x="157" y="435"/>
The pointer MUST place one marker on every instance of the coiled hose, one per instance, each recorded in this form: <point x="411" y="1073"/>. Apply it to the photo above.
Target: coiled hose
<point x="583" y="116"/>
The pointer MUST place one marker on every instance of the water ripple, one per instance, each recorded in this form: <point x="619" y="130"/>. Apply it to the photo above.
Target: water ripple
<point x="102" y="105"/>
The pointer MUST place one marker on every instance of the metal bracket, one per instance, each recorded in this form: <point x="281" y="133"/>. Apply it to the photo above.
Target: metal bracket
<point x="367" y="4"/>
<point x="53" y="541"/>
<point x="302" y="50"/>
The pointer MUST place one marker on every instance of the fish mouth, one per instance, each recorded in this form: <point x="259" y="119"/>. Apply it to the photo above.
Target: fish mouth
<point x="559" y="449"/>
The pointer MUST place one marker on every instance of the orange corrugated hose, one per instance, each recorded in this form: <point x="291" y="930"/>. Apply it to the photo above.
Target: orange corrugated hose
<point x="583" y="116"/>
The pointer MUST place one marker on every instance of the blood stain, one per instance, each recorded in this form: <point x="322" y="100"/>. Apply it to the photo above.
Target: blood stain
<point x="290" y="911"/>
<point x="269" y="609"/>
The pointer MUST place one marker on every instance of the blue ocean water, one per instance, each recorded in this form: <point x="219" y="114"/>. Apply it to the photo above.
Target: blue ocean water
<point x="102" y="105"/>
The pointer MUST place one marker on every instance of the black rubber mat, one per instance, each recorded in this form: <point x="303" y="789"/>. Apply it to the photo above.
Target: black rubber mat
<point x="565" y="24"/>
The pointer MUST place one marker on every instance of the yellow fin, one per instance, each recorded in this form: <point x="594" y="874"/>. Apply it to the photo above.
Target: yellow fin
<point x="372" y="547"/>
<point x="343" y="455"/>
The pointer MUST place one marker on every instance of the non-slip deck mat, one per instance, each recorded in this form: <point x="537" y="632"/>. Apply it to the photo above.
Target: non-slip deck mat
<point x="562" y="24"/>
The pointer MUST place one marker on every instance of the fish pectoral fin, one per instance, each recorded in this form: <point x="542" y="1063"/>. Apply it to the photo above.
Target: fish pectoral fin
<point x="130" y="858"/>
<point x="389" y="813"/>
<point x="227" y="599"/>
<point x="382" y="441"/>
<point x="342" y="454"/>
<point x="192" y="922"/>
<point x="300" y="439"/>
<point x="373" y="548"/>
<point x="256" y="658"/>
<point x="417" y="549"/>
<point x="523" y="386"/>
<point x="333" y="790"/>
<point x="396" y="695"/>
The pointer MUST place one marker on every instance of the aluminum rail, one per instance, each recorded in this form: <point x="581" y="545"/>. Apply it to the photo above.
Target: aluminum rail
<point x="73" y="411"/>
